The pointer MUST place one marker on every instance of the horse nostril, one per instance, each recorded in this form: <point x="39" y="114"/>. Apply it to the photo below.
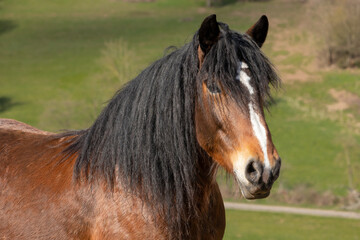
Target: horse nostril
<point x="270" y="175"/>
<point x="267" y="178"/>
<point x="276" y="169"/>
<point x="253" y="171"/>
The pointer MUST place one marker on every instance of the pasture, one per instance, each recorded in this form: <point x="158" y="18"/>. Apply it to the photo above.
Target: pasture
<point x="254" y="225"/>
<point x="60" y="61"/>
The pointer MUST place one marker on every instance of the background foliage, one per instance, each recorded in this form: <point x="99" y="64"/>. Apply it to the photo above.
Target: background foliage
<point x="340" y="29"/>
<point x="60" y="61"/>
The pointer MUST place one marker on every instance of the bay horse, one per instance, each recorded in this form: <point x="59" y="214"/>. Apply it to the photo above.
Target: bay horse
<point x="146" y="168"/>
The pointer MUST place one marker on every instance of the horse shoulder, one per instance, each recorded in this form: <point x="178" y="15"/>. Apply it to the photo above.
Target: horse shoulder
<point x="38" y="199"/>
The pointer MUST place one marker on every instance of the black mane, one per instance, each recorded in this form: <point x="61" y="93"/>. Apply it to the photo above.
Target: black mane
<point x="146" y="134"/>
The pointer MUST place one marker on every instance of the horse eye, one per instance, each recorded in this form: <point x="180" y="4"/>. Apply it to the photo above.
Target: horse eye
<point x="213" y="87"/>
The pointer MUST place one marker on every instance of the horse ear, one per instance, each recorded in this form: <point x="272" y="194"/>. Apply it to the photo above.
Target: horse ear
<point x="208" y="33"/>
<point x="259" y="30"/>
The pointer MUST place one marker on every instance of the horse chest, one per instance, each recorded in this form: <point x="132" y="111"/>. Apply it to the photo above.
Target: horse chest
<point x="119" y="216"/>
<point x="126" y="217"/>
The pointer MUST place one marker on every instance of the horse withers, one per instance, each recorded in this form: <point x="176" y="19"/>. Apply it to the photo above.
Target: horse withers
<point x="146" y="168"/>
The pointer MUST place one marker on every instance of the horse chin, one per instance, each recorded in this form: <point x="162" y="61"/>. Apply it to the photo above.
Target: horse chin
<point x="257" y="196"/>
<point x="251" y="195"/>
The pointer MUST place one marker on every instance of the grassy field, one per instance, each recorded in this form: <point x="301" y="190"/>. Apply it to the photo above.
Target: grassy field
<point x="56" y="62"/>
<point x="270" y="226"/>
<point x="51" y="77"/>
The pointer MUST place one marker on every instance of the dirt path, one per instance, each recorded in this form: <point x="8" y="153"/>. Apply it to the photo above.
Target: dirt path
<point x="292" y="210"/>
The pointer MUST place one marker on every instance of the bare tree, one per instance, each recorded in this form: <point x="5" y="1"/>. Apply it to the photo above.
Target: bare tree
<point x="339" y="26"/>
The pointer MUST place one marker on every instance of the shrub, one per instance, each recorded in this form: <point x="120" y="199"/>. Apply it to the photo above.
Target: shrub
<point x="341" y="32"/>
<point x="117" y="61"/>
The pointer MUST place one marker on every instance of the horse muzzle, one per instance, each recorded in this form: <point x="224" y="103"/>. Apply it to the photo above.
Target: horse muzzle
<point x="257" y="180"/>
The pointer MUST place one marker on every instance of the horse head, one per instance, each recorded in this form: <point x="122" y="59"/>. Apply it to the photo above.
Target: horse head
<point x="233" y="84"/>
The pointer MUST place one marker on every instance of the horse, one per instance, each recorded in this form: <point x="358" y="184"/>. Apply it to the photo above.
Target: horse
<point x="146" y="168"/>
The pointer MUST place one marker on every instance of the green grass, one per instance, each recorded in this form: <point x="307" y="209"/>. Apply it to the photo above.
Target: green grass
<point x="296" y="60"/>
<point x="310" y="139"/>
<point x="50" y="75"/>
<point x="273" y="226"/>
<point x="52" y="50"/>
<point x="343" y="80"/>
<point x="280" y="53"/>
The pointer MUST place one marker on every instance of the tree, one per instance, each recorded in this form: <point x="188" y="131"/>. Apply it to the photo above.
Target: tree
<point x="342" y="32"/>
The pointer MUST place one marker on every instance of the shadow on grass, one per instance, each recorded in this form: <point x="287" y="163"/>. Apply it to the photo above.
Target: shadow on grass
<point x="6" y="26"/>
<point x="228" y="2"/>
<point x="221" y="3"/>
<point x="7" y="103"/>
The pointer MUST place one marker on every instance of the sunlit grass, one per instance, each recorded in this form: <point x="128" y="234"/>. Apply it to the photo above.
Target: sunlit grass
<point x="274" y="226"/>
<point x="50" y="75"/>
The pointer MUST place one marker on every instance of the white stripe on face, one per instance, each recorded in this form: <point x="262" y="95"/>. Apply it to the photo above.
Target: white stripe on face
<point x="245" y="79"/>
<point x="260" y="133"/>
<point x="243" y="65"/>
<point x="257" y="126"/>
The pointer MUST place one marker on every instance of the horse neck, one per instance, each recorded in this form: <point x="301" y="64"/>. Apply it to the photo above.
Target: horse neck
<point x="206" y="179"/>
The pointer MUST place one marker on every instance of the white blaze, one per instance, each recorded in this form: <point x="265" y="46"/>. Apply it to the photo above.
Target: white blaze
<point x="260" y="133"/>
<point x="243" y="65"/>
<point x="245" y="79"/>
<point x="257" y="126"/>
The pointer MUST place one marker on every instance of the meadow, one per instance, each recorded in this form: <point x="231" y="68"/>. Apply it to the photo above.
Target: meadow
<point x="60" y="61"/>
<point x="270" y="226"/>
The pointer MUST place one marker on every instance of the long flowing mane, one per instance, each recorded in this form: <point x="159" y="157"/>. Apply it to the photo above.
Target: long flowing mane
<point x="145" y="138"/>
